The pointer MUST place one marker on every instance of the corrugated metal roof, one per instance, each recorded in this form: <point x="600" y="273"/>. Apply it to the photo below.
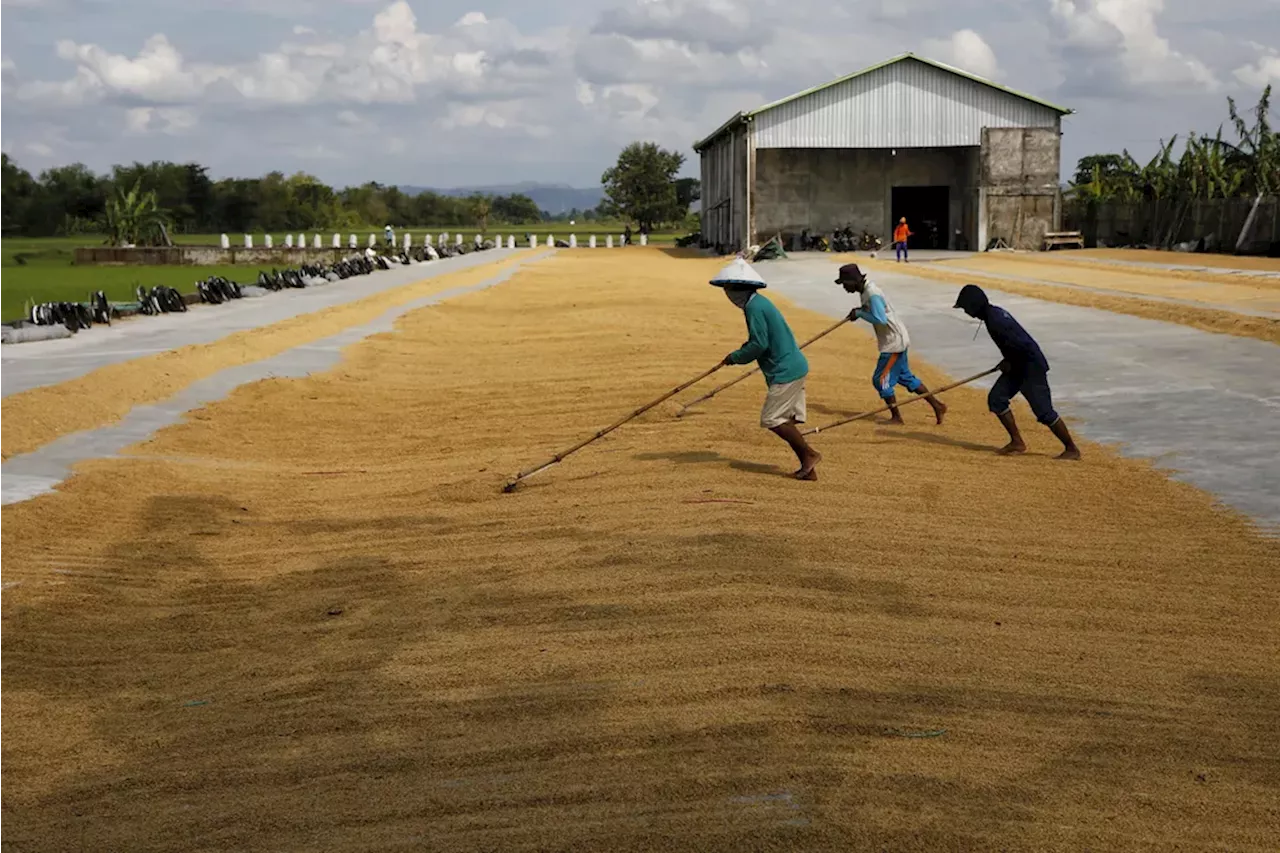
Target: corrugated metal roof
<point x="998" y="104"/>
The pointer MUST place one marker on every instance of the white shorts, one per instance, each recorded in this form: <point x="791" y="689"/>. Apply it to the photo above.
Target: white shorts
<point x="783" y="403"/>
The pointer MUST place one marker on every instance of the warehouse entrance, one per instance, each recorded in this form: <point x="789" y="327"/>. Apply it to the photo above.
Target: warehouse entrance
<point x="927" y="210"/>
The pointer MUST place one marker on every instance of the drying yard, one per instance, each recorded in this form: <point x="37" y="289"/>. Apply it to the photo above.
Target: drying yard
<point x="305" y="616"/>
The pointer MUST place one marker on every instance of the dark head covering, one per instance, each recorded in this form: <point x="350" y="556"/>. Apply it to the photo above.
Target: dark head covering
<point x="848" y="272"/>
<point x="972" y="301"/>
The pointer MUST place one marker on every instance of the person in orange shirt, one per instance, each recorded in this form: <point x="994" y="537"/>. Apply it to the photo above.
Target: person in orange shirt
<point x="900" y="235"/>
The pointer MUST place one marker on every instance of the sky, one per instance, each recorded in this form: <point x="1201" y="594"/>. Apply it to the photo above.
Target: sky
<point x="464" y="93"/>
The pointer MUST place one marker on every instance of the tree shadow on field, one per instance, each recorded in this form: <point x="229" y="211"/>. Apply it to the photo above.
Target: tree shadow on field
<point x="697" y="457"/>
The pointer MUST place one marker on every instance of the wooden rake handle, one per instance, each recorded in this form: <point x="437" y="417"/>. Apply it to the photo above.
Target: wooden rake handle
<point x="529" y="472"/>
<point x="752" y="372"/>
<point x="908" y="402"/>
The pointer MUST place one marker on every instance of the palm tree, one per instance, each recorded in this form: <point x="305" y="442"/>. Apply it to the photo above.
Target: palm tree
<point x="133" y="217"/>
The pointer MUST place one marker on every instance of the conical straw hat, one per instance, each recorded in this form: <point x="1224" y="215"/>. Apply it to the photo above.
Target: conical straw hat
<point x="738" y="272"/>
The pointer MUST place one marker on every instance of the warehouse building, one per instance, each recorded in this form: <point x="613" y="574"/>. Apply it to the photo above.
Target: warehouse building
<point x="966" y="161"/>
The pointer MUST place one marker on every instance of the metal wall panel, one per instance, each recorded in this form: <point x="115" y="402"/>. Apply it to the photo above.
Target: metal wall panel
<point x="904" y="105"/>
<point x="724" y="188"/>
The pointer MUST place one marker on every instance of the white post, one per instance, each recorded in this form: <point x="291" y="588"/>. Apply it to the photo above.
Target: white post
<point x="288" y="241"/>
<point x="372" y="240"/>
<point x="644" y="239"/>
<point x="573" y="241"/>
<point x="408" y="241"/>
<point x="266" y="241"/>
<point x="608" y="242"/>
<point x="302" y="241"/>
<point x="248" y="241"/>
<point x="337" y="241"/>
<point x="352" y="242"/>
<point x="444" y="239"/>
<point x="315" y="241"/>
<point x="591" y="243"/>
<point x="533" y="242"/>
<point x="226" y="243"/>
<point x="551" y="241"/>
<point x="511" y="241"/>
<point x="426" y="239"/>
<point x="459" y="241"/>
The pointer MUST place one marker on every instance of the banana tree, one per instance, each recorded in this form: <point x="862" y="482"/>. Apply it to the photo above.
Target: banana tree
<point x="133" y="217"/>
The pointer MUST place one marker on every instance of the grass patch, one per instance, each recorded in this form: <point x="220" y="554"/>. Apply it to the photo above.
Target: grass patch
<point x="47" y="283"/>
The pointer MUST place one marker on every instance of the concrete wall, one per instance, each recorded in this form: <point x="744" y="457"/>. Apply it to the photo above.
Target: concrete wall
<point x="725" y="189"/>
<point x="1019" y="199"/>
<point x="203" y="256"/>
<point x="827" y="188"/>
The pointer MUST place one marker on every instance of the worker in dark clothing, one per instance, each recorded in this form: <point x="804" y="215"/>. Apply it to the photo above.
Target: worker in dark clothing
<point x="1023" y="370"/>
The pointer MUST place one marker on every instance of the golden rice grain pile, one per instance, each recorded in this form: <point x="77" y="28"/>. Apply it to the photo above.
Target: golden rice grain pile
<point x="307" y="618"/>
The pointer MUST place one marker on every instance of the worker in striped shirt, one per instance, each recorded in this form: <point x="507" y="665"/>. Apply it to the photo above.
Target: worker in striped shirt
<point x="892" y="368"/>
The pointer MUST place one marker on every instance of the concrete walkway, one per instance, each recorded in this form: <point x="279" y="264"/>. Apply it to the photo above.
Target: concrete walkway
<point x="1205" y="405"/>
<point x="26" y="476"/>
<point x="31" y="365"/>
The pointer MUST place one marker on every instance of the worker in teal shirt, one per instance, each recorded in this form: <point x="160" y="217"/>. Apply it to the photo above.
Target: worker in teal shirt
<point x="771" y="344"/>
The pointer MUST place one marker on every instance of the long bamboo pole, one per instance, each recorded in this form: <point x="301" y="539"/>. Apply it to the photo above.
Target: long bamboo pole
<point x="529" y="472"/>
<point x="752" y="372"/>
<point x="907" y="402"/>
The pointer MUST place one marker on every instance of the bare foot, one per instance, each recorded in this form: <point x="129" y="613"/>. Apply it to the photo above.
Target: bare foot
<point x="807" y="467"/>
<point x="1012" y="448"/>
<point x="1070" y="453"/>
<point x="941" y="411"/>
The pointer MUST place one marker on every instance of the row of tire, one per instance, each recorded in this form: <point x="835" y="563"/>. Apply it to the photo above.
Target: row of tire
<point x="217" y="290"/>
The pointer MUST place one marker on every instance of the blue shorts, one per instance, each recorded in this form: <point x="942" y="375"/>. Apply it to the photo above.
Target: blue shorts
<point x="1032" y="384"/>
<point x="894" y="369"/>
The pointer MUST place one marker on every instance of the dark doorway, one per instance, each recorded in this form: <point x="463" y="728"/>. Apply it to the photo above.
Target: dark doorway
<point x="927" y="210"/>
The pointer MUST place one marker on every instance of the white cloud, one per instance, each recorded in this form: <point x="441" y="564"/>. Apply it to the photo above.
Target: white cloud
<point x="442" y="91"/>
<point x="967" y="51"/>
<point x="1266" y="71"/>
<point x="1126" y="30"/>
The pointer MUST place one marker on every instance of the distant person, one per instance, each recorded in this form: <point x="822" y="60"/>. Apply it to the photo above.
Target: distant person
<point x="389" y="234"/>
<point x="1023" y="370"/>
<point x="892" y="368"/>
<point x="771" y="344"/>
<point x="626" y="236"/>
<point x="900" y="235"/>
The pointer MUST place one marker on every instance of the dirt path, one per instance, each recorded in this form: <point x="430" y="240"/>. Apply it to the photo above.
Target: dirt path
<point x="339" y="635"/>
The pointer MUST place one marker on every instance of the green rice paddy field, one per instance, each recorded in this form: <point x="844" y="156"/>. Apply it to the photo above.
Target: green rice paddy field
<point x="41" y="269"/>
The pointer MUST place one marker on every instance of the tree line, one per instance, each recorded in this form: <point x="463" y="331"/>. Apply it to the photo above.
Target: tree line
<point x="1209" y="167"/>
<point x="139" y="203"/>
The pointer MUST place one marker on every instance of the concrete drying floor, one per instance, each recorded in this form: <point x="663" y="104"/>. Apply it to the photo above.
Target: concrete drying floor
<point x="1201" y="404"/>
<point x="305" y="617"/>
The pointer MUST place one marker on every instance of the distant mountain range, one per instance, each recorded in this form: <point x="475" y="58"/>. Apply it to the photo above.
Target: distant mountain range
<point x="553" y="198"/>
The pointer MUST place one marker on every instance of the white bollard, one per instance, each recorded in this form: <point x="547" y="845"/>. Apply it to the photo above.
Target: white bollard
<point x="551" y="241"/>
<point x="302" y="241"/>
<point x="426" y="239"/>
<point x="372" y="240"/>
<point x="459" y="240"/>
<point x="608" y="242"/>
<point x="315" y="241"/>
<point x="573" y="241"/>
<point x="226" y="243"/>
<point x="408" y="241"/>
<point x="644" y="239"/>
<point x="352" y="242"/>
<point x="591" y="243"/>
<point x="533" y="242"/>
<point x="337" y="241"/>
<point x="248" y="241"/>
<point x="511" y="241"/>
<point x="267" y="241"/>
<point x="288" y="241"/>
